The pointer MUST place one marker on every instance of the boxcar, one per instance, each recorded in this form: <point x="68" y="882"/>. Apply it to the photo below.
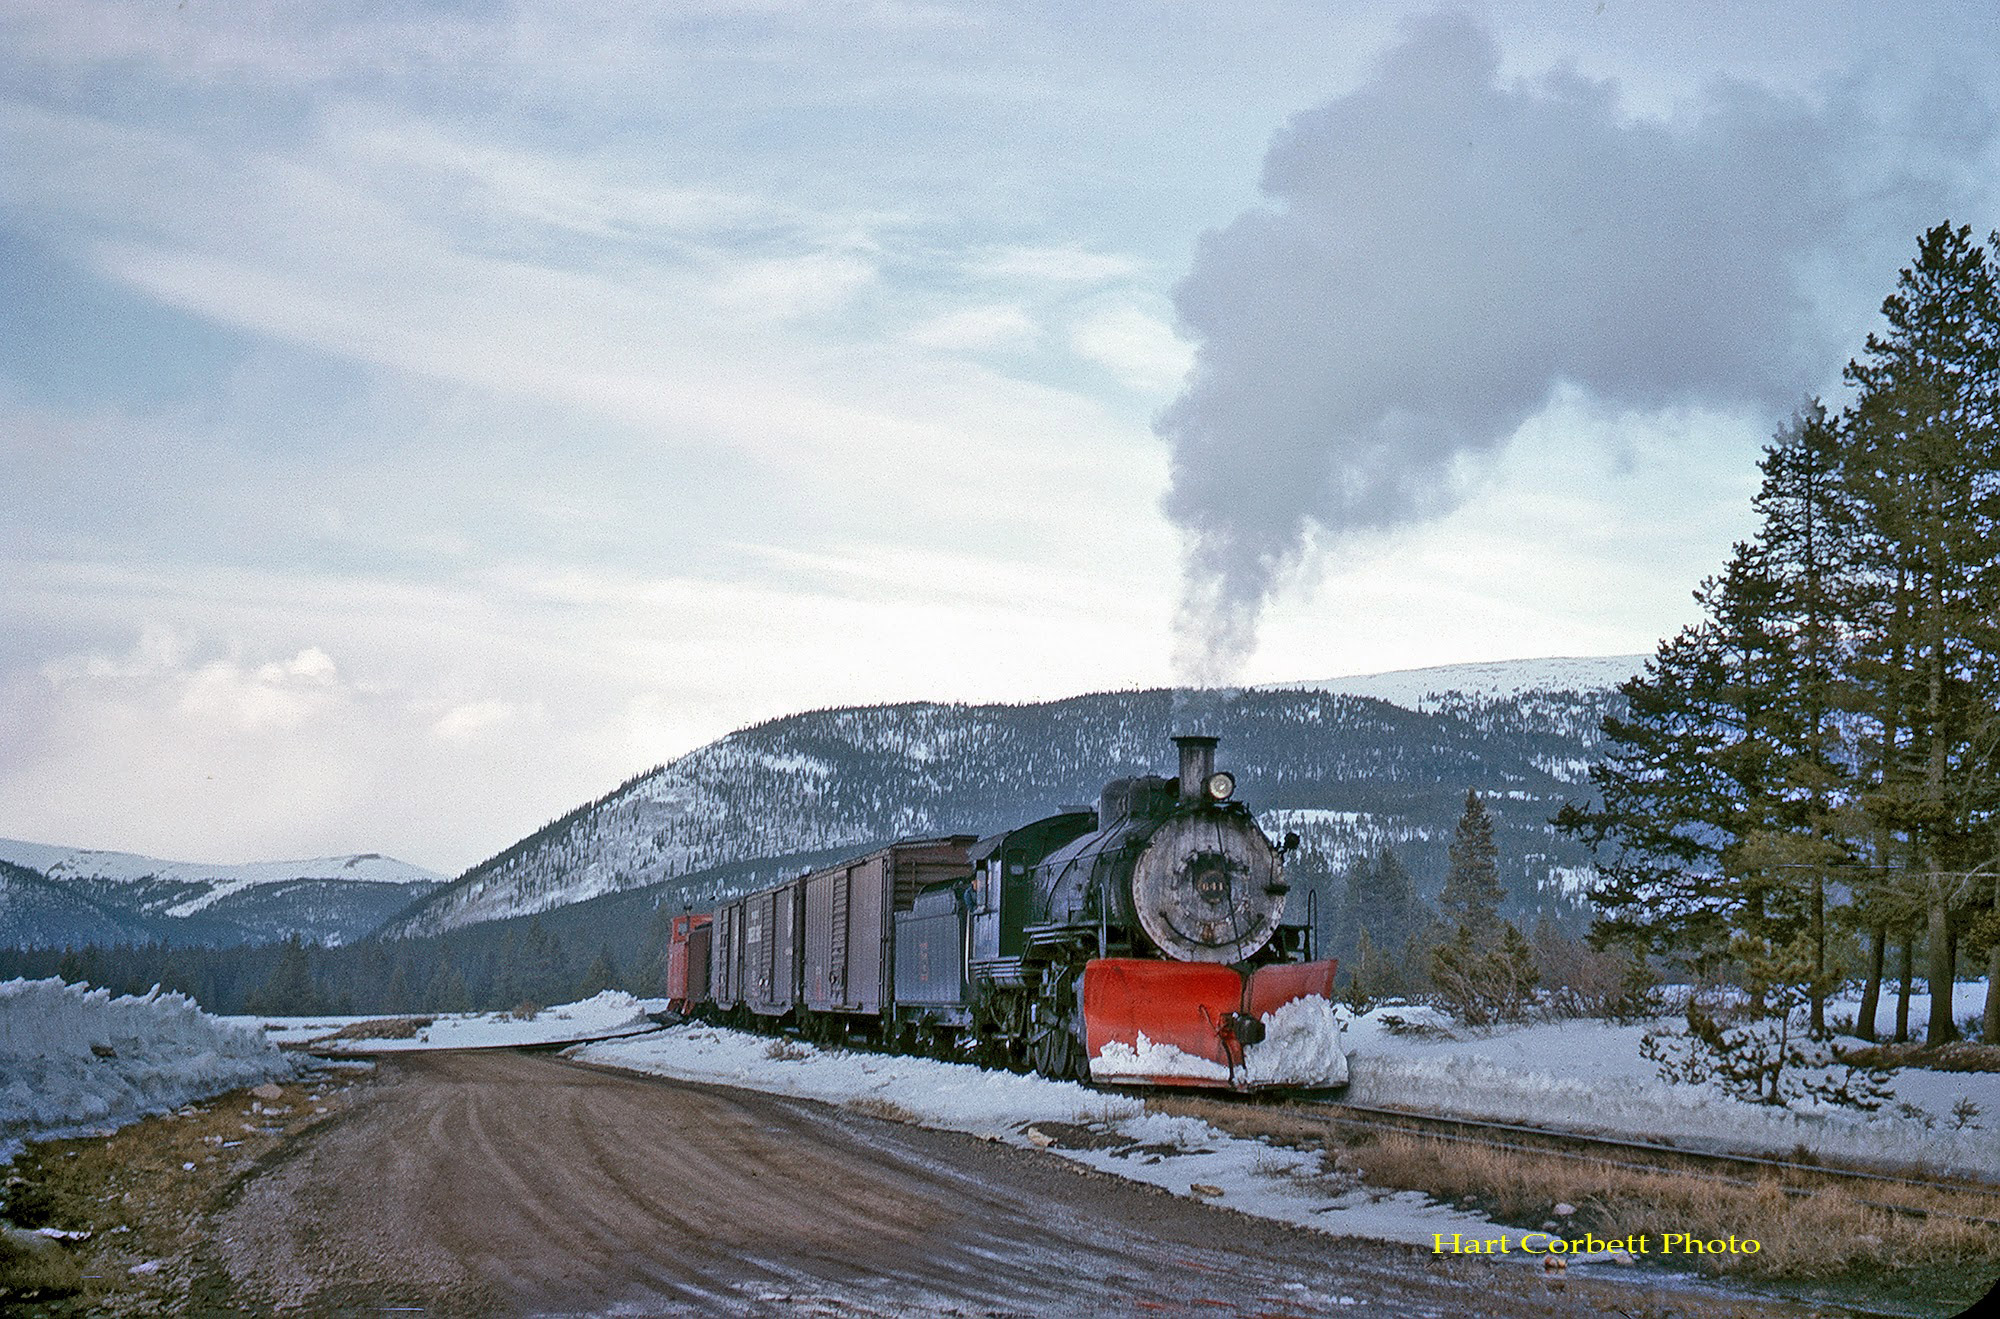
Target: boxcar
<point x="771" y="949"/>
<point x="846" y="966"/>
<point x="725" y="988"/>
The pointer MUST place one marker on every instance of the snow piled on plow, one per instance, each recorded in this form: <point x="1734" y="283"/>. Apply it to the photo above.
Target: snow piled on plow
<point x="76" y="1060"/>
<point x="1302" y="1046"/>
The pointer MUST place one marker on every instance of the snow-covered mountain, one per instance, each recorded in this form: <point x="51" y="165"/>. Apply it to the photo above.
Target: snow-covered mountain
<point x="51" y="895"/>
<point x="1489" y="680"/>
<point x="1353" y="771"/>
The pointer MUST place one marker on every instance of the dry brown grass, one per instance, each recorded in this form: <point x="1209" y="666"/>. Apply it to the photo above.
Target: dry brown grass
<point x="135" y="1192"/>
<point x="1827" y="1234"/>
<point x="382" y="1028"/>
<point x="887" y="1110"/>
<point x="35" y="1268"/>
<point x="1958" y="1056"/>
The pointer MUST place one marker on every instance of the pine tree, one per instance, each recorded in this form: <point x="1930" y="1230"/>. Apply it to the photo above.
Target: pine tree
<point x="290" y="990"/>
<point x="1924" y="477"/>
<point x="1664" y="813"/>
<point x="396" y="994"/>
<point x="602" y="975"/>
<point x="1381" y="895"/>
<point x="1472" y="891"/>
<point x="1360" y="993"/>
<point x="1761" y="1051"/>
<point x="446" y="991"/>
<point x="1806" y="535"/>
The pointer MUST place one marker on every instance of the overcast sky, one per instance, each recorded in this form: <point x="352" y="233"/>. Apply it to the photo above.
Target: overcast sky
<point x="413" y="426"/>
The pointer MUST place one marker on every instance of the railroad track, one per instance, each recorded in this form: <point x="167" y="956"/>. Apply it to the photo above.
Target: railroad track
<point x="1793" y="1177"/>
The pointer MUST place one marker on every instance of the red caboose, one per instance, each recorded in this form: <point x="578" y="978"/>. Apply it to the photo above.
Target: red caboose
<point x="687" y="962"/>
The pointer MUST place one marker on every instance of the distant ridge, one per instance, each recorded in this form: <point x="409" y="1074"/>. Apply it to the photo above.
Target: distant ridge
<point x="1486" y="680"/>
<point x="52" y="896"/>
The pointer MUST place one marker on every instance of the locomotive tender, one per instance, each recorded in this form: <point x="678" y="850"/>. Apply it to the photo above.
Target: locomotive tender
<point x="1140" y="943"/>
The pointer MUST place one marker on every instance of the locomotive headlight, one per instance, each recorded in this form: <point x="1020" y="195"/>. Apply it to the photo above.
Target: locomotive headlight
<point x="1220" y="785"/>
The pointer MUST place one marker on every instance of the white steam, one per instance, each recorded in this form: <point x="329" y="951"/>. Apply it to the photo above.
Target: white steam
<point x="1438" y="253"/>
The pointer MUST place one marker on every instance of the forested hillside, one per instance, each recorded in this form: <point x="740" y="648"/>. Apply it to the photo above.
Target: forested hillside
<point x="1350" y="774"/>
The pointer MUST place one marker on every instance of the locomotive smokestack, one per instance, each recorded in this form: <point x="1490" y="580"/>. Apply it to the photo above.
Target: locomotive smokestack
<point x="1197" y="763"/>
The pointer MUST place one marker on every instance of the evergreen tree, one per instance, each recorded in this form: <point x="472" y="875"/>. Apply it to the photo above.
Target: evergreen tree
<point x="1760" y="1051"/>
<point x="1722" y="796"/>
<point x="1924" y="477"/>
<point x="1805" y="531"/>
<point x="396" y="994"/>
<point x="1360" y="993"/>
<point x="602" y="975"/>
<point x="446" y="991"/>
<point x="1381" y="895"/>
<point x="289" y="991"/>
<point x="1472" y="892"/>
<point x="1484" y="970"/>
<point x="1664" y="813"/>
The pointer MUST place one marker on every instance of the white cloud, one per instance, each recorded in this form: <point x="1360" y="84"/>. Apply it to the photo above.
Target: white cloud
<point x="977" y="329"/>
<point x="474" y="719"/>
<point x="1138" y="347"/>
<point x="1051" y="265"/>
<point x="787" y="288"/>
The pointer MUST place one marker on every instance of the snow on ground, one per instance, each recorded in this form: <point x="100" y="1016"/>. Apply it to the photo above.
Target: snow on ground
<point x="1588" y="1075"/>
<point x="612" y="1012"/>
<point x="1175" y="1153"/>
<point x="74" y="1058"/>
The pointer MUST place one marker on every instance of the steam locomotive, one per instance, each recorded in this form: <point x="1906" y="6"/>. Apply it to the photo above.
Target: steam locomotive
<point x="1143" y="942"/>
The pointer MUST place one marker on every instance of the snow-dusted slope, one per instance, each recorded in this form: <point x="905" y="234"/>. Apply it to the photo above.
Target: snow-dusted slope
<point x="327" y="899"/>
<point x="846" y="779"/>
<point x="1491" y="680"/>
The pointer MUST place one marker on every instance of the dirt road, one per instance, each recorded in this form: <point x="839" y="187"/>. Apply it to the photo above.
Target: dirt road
<point x="511" y="1183"/>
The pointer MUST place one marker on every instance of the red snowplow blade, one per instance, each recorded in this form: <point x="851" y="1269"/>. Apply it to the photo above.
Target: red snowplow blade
<point x="1175" y="1023"/>
<point x="1273" y="986"/>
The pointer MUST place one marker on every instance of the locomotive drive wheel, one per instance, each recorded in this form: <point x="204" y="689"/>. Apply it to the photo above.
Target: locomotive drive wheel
<point x="1055" y="1043"/>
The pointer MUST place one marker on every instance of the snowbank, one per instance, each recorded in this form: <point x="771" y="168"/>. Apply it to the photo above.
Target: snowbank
<point x="1589" y="1075"/>
<point x="612" y="1012"/>
<point x="72" y="1057"/>
<point x="1175" y="1153"/>
<point x="1301" y="1047"/>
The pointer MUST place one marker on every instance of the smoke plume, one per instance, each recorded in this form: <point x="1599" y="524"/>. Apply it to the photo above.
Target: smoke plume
<point x="1437" y="253"/>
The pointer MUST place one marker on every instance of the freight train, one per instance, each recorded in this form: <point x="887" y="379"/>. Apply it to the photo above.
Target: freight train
<point x="1143" y="942"/>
